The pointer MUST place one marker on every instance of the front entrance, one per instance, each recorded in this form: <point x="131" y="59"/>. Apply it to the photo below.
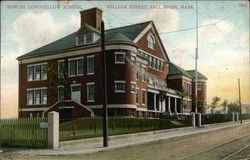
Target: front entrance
<point x="65" y="114"/>
<point x="76" y="93"/>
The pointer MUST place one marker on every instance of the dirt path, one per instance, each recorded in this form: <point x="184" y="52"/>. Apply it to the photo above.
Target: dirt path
<point x="210" y="145"/>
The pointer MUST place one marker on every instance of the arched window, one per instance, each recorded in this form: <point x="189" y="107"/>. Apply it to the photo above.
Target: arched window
<point x="151" y="41"/>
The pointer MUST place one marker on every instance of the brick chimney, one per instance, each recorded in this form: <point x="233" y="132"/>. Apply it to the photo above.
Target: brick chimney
<point x="92" y="17"/>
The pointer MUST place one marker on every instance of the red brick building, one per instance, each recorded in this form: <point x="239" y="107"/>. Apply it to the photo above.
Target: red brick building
<point x="137" y="69"/>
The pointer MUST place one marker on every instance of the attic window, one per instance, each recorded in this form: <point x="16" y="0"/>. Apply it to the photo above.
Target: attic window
<point x="151" y="41"/>
<point x="86" y="38"/>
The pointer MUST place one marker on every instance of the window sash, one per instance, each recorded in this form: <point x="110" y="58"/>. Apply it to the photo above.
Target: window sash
<point x="143" y="97"/>
<point x="90" y="92"/>
<point x="44" y="96"/>
<point x="30" y="73"/>
<point x="72" y="67"/>
<point x="37" y="72"/>
<point x="133" y="87"/>
<point x="89" y="38"/>
<point x="137" y="95"/>
<point x="119" y="86"/>
<point x="60" y="93"/>
<point x="119" y="58"/>
<point x="29" y="97"/>
<point x="61" y="68"/>
<point x="37" y="97"/>
<point x="80" y="66"/>
<point x="43" y="73"/>
<point x="90" y="65"/>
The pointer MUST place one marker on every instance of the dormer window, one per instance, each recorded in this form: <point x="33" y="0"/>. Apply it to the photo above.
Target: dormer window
<point x="151" y="41"/>
<point x="86" y="38"/>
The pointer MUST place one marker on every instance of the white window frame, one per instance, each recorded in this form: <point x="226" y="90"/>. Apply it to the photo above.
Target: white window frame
<point x="149" y="38"/>
<point x="33" y="95"/>
<point x="89" y="84"/>
<point x="76" y="66"/>
<point x="120" y="91"/>
<point x="143" y="90"/>
<point x="33" y="72"/>
<point x="133" y="83"/>
<point x="120" y="53"/>
<point x="88" y="72"/>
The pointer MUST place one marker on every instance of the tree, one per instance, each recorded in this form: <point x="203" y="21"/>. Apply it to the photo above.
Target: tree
<point x="214" y="103"/>
<point x="59" y="79"/>
<point x="199" y="104"/>
<point x="224" y="105"/>
<point x="182" y="93"/>
<point x="162" y="96"/>
<point x="233" y="107"/>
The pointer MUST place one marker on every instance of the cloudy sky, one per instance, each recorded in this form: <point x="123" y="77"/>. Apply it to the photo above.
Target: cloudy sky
<point x="223" y="37"/>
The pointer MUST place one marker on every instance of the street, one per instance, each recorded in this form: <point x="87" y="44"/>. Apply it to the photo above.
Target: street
<point x="228" y="144"/>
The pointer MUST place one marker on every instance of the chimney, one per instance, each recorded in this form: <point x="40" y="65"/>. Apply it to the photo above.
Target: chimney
<point x="92" y="17"/>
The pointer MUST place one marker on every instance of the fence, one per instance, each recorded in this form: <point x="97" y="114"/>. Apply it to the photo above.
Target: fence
<point x="92" y="127"/>
<point x="24" y="132"/>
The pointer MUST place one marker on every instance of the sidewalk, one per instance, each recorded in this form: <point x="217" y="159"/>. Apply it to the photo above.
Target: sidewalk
<point x="124" y="140"/>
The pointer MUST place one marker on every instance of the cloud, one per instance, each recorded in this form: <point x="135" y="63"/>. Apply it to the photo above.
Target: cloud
<point x="35" y="30"/>
<point x="215" y="33"/>
<point x="165" y="20"/>
<point x="244" y="39"/>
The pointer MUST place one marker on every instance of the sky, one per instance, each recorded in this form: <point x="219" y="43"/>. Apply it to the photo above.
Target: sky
<point x="223" y="37"/>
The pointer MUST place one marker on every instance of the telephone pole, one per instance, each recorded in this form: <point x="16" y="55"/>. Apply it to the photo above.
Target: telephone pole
<point x="104" y="110"/>
<point x="0" y="86"/>
<point x="196" y="57"/>
<point x="240" y="102"/>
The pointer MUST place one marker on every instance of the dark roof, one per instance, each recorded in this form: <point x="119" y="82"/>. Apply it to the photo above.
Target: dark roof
<point x="175" y="70"/>
<point x="126" y="33"/>
<point x="199" y="75"/>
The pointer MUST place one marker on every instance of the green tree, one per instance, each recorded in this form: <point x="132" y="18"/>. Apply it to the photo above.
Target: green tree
<point x="182" y="93"/>
<point x="214" y="103"/>
<point x="58" y="79"/>
<point x="199" y="104"/>
<point x="233" y="107"/>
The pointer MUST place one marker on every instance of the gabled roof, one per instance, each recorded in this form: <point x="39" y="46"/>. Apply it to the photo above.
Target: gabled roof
<point x="126" y="33"/>
<point x="199" y="75"/>
<point x="175" y="70"/>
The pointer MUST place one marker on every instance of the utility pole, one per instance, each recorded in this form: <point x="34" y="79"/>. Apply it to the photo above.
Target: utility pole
<point x="104" y="110"/>
<point x="0" y="86"/>
<point x="196" y="58"/>
<point x="240" y="102"/>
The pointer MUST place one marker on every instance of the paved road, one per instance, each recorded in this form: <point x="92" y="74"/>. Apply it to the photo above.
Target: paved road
<point x="228" y="143"/>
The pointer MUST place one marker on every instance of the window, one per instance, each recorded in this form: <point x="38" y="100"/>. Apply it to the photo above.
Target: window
<point x="30" y="115"/>
<point x="60" y="93"/>
<point x="143" y="96"/>
<point x="76" y="67"/>
<point x="36" y="72"/>
<point x="133" y="59"/>
<point x="137" y="95"/>
<point x="120" y="86"/>
<point x="40" y="96"/>
<point x="162" y="66"/>
<point x="153" y="62"/>
<point x="72" y="68"/>
<point x="120" y="57"/>
<point x="37" y="96"/>
<point x="30" y="97"/>
<point x="144" y="74"/>
<point x="61" y="66"/>
<point x="89" y="38"/>
<point x="133" y="87"/>
<point x="151" y="41"/>
<point x="80" y="67"/>
<point x="150" y="61"/>
<point x="137" y="76"/>
<point x="30" y="73"/>
<point x="150" y="80"/>
<point x="90" y="65"/>
<point x="90" y="92"/>
<point x="199" y="86"/>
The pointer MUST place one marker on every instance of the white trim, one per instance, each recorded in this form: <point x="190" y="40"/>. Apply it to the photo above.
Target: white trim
<point x="67" y="107"/>
<point x="76" y="51"/>
<point x="131" y="82"/>
<point x="33" y="109"/>
<point x="180" y="76"/>
<point x="38" y="64"/>
<point x="132" y="106"/>
<point x="76" y="58"/>
<point x="90" y="56"/>
<point x="78" y="84"/>
<point x="120" y="81"/>
<point x="120" y="91"/>
<point x="36" y="88"/>
<point x="141" y="109"/>
<point x="90" y="83"/>
<point x="120" y="53"/>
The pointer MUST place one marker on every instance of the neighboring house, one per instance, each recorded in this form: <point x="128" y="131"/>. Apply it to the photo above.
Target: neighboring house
<point x="179" y="79"/>
<point x="201" y="89"/>
<point x="137" y="69"/>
